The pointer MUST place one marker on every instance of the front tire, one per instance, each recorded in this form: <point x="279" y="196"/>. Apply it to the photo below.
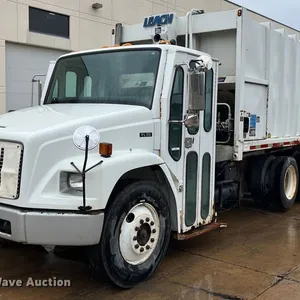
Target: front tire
<point x="135" y="234"/>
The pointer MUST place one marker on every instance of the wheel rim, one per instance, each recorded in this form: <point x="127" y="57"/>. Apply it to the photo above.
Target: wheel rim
<point x="290" y="182"/>
<point x="139" y="233"/>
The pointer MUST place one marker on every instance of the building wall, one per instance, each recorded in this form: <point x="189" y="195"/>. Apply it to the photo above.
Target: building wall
<point x="89" y="28"/>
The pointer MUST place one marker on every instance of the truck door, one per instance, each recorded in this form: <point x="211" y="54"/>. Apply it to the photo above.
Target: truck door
<point x="199" y="161"/>
<point x="190" y="152"/>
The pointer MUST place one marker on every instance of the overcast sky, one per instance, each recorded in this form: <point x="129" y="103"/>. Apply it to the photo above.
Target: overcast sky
<point x="283" y="11"/>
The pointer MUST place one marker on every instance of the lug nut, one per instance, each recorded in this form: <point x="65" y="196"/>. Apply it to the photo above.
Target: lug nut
<point x="142" y="249"/>
<point x="152" y="223"/>
<point x="137" y="228"/>
<point x="152" y="240"/>
<point x="136" y="246"/>
<point x="142" y="221"/>
<point x="147" y="219"/>
<point x="153" y="230"/>
<point x="135" y="238"/>
<point x="147" y="247"/>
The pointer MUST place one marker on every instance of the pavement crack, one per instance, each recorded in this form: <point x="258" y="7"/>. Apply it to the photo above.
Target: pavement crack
<point x="293" y="280"/>
<point x="290" y="271"/>
<point x="269" y="287"/>
<point x="208" y="292"/>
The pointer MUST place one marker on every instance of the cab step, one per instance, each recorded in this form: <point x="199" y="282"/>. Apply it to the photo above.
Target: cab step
<point x="199" y="231"/>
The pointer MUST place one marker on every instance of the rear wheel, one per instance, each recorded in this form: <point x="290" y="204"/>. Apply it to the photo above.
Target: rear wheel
<point x="296" y="155"/>
<point x="259" y="181"/>
<point x="135" y="235"/>
<point x="284" y="182"/>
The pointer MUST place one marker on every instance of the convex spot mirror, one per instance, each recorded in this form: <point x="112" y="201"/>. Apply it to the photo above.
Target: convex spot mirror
<point x="80" y="134"/>
<point x="191" y="120"/>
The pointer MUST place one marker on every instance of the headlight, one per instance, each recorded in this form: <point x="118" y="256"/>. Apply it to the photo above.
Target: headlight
<point x="75" y="182"/>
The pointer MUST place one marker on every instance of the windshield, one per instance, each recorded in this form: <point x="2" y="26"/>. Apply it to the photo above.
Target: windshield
<point x="120" y="77"/>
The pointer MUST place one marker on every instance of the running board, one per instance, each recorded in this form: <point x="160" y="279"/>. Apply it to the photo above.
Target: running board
<point x="198" y="231"/>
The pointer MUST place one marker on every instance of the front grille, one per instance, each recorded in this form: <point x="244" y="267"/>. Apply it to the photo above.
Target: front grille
<point x="11" y="156"/>
<point x="1" y="162"/>
<point x="20" y="173"/>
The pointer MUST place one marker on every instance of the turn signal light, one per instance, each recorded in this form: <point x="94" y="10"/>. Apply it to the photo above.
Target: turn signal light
<point x="105" y="149"/>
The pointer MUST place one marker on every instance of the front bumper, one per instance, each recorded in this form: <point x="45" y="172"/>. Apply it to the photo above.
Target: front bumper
<point x="50" y="228"/>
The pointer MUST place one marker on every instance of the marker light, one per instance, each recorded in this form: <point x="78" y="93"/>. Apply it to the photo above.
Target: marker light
<point x="105" y="149"/>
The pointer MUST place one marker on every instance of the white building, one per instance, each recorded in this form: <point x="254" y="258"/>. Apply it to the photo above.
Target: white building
<point x="34" y="32"/>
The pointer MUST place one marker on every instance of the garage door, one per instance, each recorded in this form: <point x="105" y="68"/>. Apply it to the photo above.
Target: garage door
<point x="22" y="63"/>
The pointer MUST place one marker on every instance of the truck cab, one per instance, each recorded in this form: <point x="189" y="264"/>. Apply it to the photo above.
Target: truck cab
<point x="148" y="112"/>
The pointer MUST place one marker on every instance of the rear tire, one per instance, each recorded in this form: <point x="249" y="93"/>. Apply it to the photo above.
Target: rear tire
<point x="135" y="235"/>
<point x="284" y="182"/>
<point x="296" y="155"/>
<point x="259" y="181"/>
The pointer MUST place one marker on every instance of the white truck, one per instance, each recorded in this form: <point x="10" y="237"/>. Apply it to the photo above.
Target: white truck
<point x="153" y="137"/>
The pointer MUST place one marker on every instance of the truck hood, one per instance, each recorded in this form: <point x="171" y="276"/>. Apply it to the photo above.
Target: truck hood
<point x="51" y="117"/>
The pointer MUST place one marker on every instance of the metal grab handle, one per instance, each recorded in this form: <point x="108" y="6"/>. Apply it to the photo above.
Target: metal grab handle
<point x="190" y="121"/>
<point x="34" y="80"/>
<point x="179" y="121"/>
<point x="176" y="121"/>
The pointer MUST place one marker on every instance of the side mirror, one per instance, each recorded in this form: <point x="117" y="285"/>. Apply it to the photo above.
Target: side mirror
<point x="196" y="91"/>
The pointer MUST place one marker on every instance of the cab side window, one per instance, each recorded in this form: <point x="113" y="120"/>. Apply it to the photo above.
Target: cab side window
<point x="209" y="83"/>
<point x="176" y="110"/>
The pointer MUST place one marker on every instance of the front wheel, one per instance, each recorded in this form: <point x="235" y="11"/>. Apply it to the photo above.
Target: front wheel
<point x="135" y="235"/>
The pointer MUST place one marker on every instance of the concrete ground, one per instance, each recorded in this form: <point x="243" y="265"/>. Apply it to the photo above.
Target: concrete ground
<point x="256" y="257"/>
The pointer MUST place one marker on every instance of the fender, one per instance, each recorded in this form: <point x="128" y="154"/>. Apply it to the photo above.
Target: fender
<point x="113" y="168"/>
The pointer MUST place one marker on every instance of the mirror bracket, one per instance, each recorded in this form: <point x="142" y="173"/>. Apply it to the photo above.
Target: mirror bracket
<point x="202" y="64"/>
<point x="85" y="138"/>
